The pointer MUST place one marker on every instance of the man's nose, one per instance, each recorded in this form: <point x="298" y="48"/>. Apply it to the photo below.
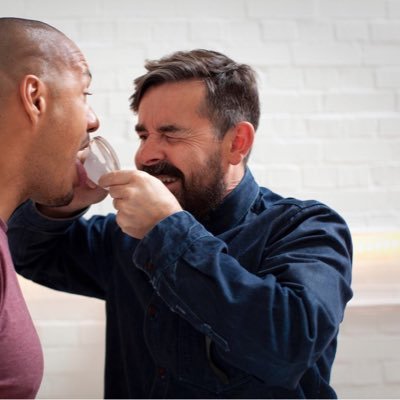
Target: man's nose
<point x="93" y="122"/>
<point x="151" y="151"/>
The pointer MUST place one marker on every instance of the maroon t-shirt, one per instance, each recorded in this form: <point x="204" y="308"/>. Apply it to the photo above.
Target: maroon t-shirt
<point x="21" y="357"/>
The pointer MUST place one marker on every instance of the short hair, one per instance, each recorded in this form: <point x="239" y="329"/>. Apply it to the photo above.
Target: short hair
<point x="30" y="46"/>
<point x="231" y="88"/>
<point x="23" y="23"/>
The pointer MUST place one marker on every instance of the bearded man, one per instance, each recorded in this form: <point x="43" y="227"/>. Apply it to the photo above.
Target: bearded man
<point x="214" y="286"/>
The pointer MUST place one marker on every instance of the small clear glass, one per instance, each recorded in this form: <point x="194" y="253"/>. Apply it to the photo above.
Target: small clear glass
<point x="101" y="159"/>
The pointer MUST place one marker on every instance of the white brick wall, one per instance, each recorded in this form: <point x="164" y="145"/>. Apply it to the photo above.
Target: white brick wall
<point x="330" y="88"/>
<point x="71" y="330"/>
<point x="367" y="364"/>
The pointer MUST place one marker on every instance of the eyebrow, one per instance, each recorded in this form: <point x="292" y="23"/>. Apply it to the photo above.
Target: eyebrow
<point x="140" y="128"/>
<point x="169" y="129"/>
<point x="162" y="129"/>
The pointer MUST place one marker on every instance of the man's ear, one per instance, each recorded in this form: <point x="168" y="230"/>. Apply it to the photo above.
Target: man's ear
<point x="32" y="92"/>
<point x="242" y="138"/>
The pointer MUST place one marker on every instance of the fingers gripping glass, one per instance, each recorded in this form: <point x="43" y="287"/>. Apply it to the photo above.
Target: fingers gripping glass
<point x="101" y="159"/>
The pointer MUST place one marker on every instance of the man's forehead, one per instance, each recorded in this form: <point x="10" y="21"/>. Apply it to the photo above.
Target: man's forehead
<point x="188" y="85"/>
<point x="182" y="94"/>
<point x="84" y="70"/>
<point x="79" y="62"/>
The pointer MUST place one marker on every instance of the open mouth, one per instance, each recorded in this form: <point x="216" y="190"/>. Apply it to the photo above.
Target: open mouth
<point x="165" y="172"/>
<point x="169" y="181"/>
<point x="81" y="172"/>
<point x="85" y="144"/>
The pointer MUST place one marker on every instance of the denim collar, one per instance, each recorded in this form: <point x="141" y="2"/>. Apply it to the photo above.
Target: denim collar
<point x="234" y="206"/>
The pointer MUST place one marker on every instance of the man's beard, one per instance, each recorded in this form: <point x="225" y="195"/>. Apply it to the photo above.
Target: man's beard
<point x="197" y="195"/>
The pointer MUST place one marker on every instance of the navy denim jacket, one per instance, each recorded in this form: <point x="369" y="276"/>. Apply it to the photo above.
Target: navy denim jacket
<point x="245" y="305"/>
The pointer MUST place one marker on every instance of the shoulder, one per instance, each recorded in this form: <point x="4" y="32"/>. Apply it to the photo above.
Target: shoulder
<point x="290" y="206"/>
<point x="303" y="217"/>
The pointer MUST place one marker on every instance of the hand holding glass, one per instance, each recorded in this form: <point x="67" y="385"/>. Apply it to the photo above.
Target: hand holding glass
<point x="101" y="159"/>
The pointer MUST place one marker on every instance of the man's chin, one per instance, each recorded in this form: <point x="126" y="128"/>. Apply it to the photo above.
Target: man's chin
<point x="60" y="201"/>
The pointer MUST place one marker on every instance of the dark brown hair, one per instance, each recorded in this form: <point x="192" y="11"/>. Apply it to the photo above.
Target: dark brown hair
<point x="231" y="88"/>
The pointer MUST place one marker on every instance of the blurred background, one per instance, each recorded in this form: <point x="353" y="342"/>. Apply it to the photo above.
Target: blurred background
<point x="329" y="74"/>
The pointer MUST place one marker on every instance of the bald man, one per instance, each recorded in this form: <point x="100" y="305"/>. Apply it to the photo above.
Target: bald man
<point x="44" y="122"/>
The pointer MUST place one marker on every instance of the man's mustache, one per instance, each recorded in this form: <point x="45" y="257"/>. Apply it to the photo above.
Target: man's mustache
<point x="162" y="168"/>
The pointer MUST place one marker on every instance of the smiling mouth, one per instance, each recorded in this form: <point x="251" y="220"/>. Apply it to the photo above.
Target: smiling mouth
<point x="169" y="182"/>
<point x="166" y="180"/>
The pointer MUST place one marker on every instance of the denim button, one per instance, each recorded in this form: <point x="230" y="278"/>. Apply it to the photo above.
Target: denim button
<point x="162" y="372"/>
<point x="149" y="267"/>
<point x="152" y="310"/>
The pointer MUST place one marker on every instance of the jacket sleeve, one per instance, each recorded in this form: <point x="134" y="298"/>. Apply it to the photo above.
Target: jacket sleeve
<point x="61" y="254"/>
<point x="273" y="322"/>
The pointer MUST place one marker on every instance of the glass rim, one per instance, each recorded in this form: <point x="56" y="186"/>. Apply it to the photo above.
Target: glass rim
<point x="107" y="150"/>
